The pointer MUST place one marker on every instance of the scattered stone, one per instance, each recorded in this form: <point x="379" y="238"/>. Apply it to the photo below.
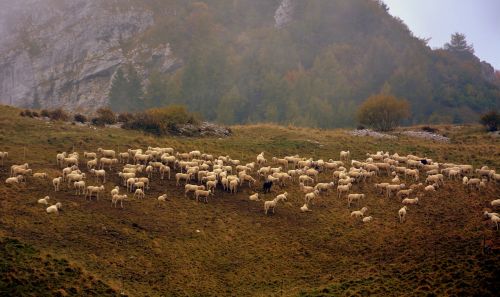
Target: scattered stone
<point x="426" y="135"/>
<point x="371" y="133"/>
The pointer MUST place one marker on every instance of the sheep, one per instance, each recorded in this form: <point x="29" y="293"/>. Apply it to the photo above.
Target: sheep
<point x="139" y="194"/>
<point x="124" y="157"/>
<point x="304" y="208"/>
<point x="3" y="156"/>
<point x="324" y="186"/>
<point x="309" y="197"/>
<point x="79" y="187"/>
<point x="272" y="204"/>
<point x="254" y="197"/>
<point x="465" y="180"/>
<point x="306" y="189"/>
<point x="345" y="156"/>
<point x="54" y="208"/>
<point x="20" y="171"/>
<point x="233" y="186"/>
<point x="72" y="177"/>
<point x="305" y="179"/>
<point x="12" y="180"/>
<point x="70" y="161"/>
<point x="359" y="213"/>
<point x="402" y="213"/>
<point x="202" y="193"/>
<point x="430" y="188"/>
<point x="59" y="158"/>
<point x="404" y="193"/>
<point x="89" y="155"/>
<point x="91" y="190"/>
<point x="44" y="200"/>
<point x="352" y="197"/>
<point x="413" y="173"/>
<point x="367" y="219"/>
<point x="162" y="199"/>
<point x="164" y="169"/>
<point x="381" y="187"/>
<point x="139" y="185"/>
<point x="192" y="188"/>
<point x="182" y="176"/>
<point x="393" y="188"/>
<point x="341" y="189"/>
<point x="212" y="185"/>
<point x="247" y="178"/>
<point x="495" y="202"/>
<point x="488" y="215"/>
<point x="106" y="153"/>
<point x="57" y="182"/>
<point x="410" y="201"/>
<point x="474" y="182"/>
<point x="118" y="198"/>
<point x="40" y="175"/>
<point x="107" y="161"/>
<point x="13" y="168"/>
<point x="495" y="220"/>
<point x="98" y="174"/>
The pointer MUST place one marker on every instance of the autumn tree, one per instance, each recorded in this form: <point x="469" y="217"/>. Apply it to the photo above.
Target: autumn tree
<point x="490" y="120"/>
<point x="383" y="112"/>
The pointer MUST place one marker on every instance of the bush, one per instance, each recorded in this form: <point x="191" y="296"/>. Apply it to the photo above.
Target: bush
<point x="35" y="114"/>
<point x="429" y="129"/>
<point x="383" y="112"/>
<point x="58" y="115"/>
<point x="98" y="122"/>
<point x="125" y="117"/>
<point x="80" y="118"/>
<point x="490" y="120"/>
<point x="162" y="121"/>
<point x="106" y="115"/>
<point x="44" y="113"/>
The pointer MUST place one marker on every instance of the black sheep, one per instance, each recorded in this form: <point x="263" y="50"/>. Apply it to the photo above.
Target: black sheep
<point x="266" y="187"/>
<point x="424" y="161"/>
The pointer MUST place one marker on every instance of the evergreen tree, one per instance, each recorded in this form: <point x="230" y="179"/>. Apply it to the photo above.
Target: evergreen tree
<point x="118" y="92"/>
<point x="458" y="44"/>
<point x="156" y="91"/>
<point x="134" y="90"/>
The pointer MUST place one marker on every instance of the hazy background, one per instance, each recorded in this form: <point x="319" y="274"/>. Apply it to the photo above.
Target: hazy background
<point x="478" y="19"/>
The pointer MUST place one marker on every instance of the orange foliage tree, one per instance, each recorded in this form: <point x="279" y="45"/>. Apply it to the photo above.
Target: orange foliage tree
<point x="383" y="112"/>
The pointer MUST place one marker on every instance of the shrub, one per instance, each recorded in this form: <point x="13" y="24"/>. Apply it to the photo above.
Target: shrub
<point x="125" y="117"/>
<point x="98" y="122"/>
<point x="162" y="121"/>
<point x="58" y="115"/>
<point x="429" y="129"/>
<point x="383" y="112"/>
<point x="80" y="118"/>
<point x="490" y="120"/>
<point x="360" y="127"/>
<point x="106" y="115"/>
<point x="35" y="114"/>
<point x="44" y="113"/>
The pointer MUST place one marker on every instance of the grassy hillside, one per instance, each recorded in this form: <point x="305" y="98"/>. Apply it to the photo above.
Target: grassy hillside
<point x="150" y="250"/>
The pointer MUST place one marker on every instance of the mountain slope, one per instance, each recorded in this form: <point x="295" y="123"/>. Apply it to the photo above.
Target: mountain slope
<point x="237" y="61"/>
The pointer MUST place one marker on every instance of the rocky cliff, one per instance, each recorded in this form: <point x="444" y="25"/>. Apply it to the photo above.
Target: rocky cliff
<point x="64" y="53"/>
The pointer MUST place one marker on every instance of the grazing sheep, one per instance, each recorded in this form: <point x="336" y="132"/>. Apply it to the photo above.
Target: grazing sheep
<point x="352" y="197"/>
<point x="233" y="186"/>
<point x="139" y="194"/>
<point x="402" y="213"/>
<point x="381" y="187"/>
<point x="202" y="193"/>
<point x="341" y="189"/>
<point x="306" y="189"/>
<point x="99" y="173"/>
<point x="345" y="156"/>
<point x="359" y="213"/>
<point x="13" y="168"/>
<point x="272" y="204"/>
<point x="254" y="197"/>
<point x="488" y="215"/>
<point x="192" y="188"/>
<point x="309" y="197"/>
<point x="305" y="179"/>
<point x="57" y="183"/>
<point x="404" y="193"/>
<point x="103" y="162"/>
<point x="324" y="186"/>
<point x="115" y="191"/>
<point x="106" y="153"/>
<point x="89" y="155"/>
<point x="430" y="188"/>
<point x="40" y="175"/>
<point x="410" y="201"/>
<point x="495" y="220"/>
<point x="393" y="188"/>
<point x="164" y="169"/>
<point x="495" y="202"/>
<point x="367" y="219"/>
<point x="92" y="164"/>
<point x="118" y="198"/>
<point x="54" y="208"/>
<point x="44" y="200"/>
<point x="162" y="199"/>
<point x="182" y="176"/>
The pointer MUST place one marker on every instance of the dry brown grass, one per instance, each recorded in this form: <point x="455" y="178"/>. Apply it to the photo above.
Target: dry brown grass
<point x="241" y="252"/>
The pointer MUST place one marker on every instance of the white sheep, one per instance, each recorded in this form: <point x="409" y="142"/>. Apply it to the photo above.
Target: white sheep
<point x="139" y="194"/>
<point x="495" y="202"/>
<point x="12" y="180"/>
<point x="272" y="204"/>
<point x="254" y="197"/>
<point x="162" y="199"/>
<point x="202" y="193"/>
<point x="93" y="190"/>
<point x="430" y="188"/>
<point x="106" y="153"/>
<point x="410" y="201"/>
<point x="359" y="213"/>
<point x="402" y="213"/>
<point x="306" y="189"/>
<point x="3" y="156"/>
<point x="304" y="208"/>
<point x="182" y="176"/>
<point x="341" y="189"/>
<point x="352" y="197"/>
<point x="118" y="198"/>
<point x="192" y="188"/>
<point x="79" y="187"/>
<point x="345" y="156"/>
<point x="44" y="200"/>
<point x="495" y="220"/>
<point x="57" y="183"/>
<point x="99" y="174"/>
<point x="115" y="191"/>
<point x="367" y="219"/>
<point x="309" y="197"/>
<point x="54" y="208"/>
<point x="40" y="175"/>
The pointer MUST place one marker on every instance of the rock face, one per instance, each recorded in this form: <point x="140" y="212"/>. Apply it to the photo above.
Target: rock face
<point x="283" y="14"/>
<point x="64" y="53"/>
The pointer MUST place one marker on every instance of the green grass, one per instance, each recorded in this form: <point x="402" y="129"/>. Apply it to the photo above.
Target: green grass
<point x="239" y="251"/>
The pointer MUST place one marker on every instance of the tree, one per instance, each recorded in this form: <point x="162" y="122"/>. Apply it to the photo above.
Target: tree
<point x="491" y="120"/>
<point x="156" y="91"/>
<point x="126" y="92"/>
<point x="383" y="112"/>
<point x="118" y="91"/>
<point x="458" y="44"/>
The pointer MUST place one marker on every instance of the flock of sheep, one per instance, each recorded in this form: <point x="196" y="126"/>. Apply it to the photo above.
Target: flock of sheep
<point x="203" y="174"/>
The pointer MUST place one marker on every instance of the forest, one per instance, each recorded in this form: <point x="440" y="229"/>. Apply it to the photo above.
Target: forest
<point x="239" y="66"/>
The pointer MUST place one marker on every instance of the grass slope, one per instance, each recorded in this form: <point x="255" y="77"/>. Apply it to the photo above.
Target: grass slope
<point x="239" y="251"/>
